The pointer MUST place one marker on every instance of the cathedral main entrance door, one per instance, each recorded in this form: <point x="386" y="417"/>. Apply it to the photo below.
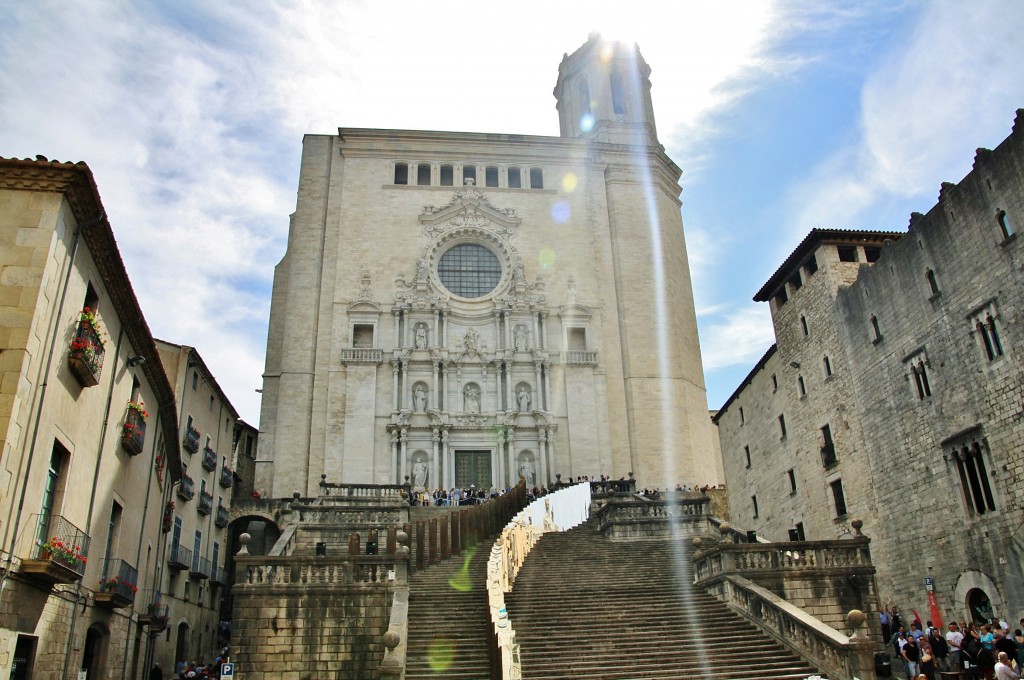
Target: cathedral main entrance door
<point x="473" y="468"/>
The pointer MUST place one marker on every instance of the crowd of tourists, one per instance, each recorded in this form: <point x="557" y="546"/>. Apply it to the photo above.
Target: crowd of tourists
<point x="988" y="651"/>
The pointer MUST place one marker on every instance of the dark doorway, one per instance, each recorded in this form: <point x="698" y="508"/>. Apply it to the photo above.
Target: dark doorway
<point x="24" y="657"/>
<point x="979" y="605"/>
<point x="181" y="644"/>
<point x="94" y="659"/>
<point x="473" y="468"/>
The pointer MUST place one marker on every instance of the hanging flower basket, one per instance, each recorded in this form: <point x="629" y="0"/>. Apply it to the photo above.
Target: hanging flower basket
<point x="85" y="354"/>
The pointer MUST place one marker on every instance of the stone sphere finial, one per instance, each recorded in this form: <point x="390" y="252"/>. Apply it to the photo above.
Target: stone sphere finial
<point x="857" y="524"/>
<point x="696" y="541"/>
<point x="856" y="619"/>
<point x="244" y="540"/>
<point x="391" y="639"/>
<point x="402" y="537"/>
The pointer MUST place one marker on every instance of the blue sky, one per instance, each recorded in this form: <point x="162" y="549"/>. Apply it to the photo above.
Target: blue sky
<point x="784" y="115"/>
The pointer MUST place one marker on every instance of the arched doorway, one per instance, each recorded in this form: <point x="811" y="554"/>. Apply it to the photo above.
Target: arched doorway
<point x="94" y="655"/>
<point x="181" y="644"/>
<point x="979" y="606"/>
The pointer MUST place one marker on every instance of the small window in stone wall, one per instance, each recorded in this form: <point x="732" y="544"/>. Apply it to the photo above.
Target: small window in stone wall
<point x="401" y="173"/>
<point x="969" y="455"/>
<point x="827" y="365"/>
<point x="577" y="339"/>
<point x="775" y="383"/>
<point x="986" y="327"/>
<point x="423" y="174"/>
<point x="838" y="497"/>
<point x="801" y="385"/>
<point x="743" y="419"/>
<point x="847" y="253"/>
<point x="791" y="475"/>
<point x="871" y="254"/>
<point x="469" y="175"/>
<point x="515" y="178"/>
<point x="491" y="176"/>
<point x="1005" y="225"/>
<point x="919" y="373"/>
<point x="795" y="282"/>
<point x="746" y="452"/>
<point x="811" y="266"/>
<point x="876" y="332"/>
<point x="828" y="447"/>
<point x="753" y="503"/>
<point x="781" y="298"/>
<point x="803" y="326"/>
<point x="447" y="176"/>
<point x="536" y="178"/>
<point x="782" y="426"/>
<point x="362" y="336"/>
<point x="933" y="284"/>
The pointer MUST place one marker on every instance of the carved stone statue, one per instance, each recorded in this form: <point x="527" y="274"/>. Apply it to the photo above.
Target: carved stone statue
<point x="472" y="399"/>
<point x="419" y="474"/>
<point x="520" y="339"/>
<point x="419" y="399"/>
<point x="421" y="270"/>
<point x="527" y="472"/>
<point x="421" y="337"/>
<point x="518" y="273"/>
<point x="523" y="398"/>
<point x="469" y="341"/>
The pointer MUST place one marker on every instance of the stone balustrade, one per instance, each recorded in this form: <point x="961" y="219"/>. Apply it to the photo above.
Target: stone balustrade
<point x="361" y="355"/>
<point x="621" y="518"/>
<point x="744" y="558"/>
<point x="386" y="492"/>
<point x="835" y="653"/>
<point x="264" y="571"/>
<point x="579" y="358"/>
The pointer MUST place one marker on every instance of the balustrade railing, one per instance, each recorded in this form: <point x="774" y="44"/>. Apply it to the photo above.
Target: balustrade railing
<point x="579" y="358"/>
<point x="361" y="355"/>
<point x="267" y="571"/>
<point x="368" y="491"/>
<point x="747" y="559"/>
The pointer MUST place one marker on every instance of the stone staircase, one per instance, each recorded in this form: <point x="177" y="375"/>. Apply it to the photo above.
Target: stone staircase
<point x="448" y="619"/>
<point x="584" y="606"/>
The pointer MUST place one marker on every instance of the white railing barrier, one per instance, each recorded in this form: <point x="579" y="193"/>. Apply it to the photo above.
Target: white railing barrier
<point x="558" y="511"/>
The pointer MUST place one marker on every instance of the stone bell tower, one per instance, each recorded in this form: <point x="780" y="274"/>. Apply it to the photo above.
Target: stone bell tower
<point x="604" y="93"/>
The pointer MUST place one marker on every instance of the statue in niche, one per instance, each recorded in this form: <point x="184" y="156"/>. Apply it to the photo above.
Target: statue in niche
<point x="523" y="398"/>
<point x="419" y="399"/>
<point x="527" y="472"/>
<point x="469" y="341"/>
<point x="520" y="337"/>
<point x="472" y="395"/>
<point x="421" y="337"/>
<point x="421" y="270"/>
<point x="519" y="273"/>
<point x="419" y="474"/>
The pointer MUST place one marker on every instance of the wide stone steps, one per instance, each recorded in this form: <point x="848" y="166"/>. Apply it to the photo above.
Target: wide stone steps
<point x="448" y="620"/>
<point x="587" y="607"/>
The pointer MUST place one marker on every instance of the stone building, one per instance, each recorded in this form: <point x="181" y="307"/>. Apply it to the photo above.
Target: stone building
<point x="89" y="434"/>
<point x="192" y="573"/>
<point x="893" y="394"/>
<point x="458" y="308"/>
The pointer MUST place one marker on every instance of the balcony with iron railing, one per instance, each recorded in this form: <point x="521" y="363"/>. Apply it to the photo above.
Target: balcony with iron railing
<point x="222" y="518"/>
<point x="219" y="576"/>
<point x="200" y="567"/>
<point x="118" y="586"/>
<point x="227" y="477"/>
<point x="209" y="459"/>
<point x="85" y="356"/>
<point x="180" y="557"/>
<point x="205" y="503"/>
<point x="187" y="488"/>
<point x="59" y="552"/>
<point x="191" y="441"/>
<point x="133" y="432"/>
<point x="153" y="612"/>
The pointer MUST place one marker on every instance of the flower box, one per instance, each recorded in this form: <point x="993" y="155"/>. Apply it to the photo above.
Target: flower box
<point x="133" y="431"/>
<point x="187" y="488"/>
<point x="222" y="518"/>
<point x="205" y="506"/>
<point x="191" y="442"/>
<point x="227" y="478"/>
<point x="85" y="355"/>
<point x="209" y="459"/>
<point x="62" y="558"/>
<point x="118" y="588"/>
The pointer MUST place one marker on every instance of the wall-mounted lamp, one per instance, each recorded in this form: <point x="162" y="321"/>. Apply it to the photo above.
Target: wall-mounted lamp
<point x="136" y="361"/>
<point x="794" y="364"/>
<point x="259" y="390"/>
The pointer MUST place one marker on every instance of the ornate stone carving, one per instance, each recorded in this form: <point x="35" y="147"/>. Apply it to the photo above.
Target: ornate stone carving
<point x="365" y="293"/>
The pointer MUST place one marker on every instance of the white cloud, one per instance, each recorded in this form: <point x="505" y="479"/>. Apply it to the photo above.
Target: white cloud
<point x="951" y="86"/>
<point x="738" y="339"/>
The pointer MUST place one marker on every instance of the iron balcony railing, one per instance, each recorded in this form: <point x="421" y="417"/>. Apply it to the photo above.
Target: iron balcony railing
<point x="119" y="578"/>
<point x="61" y="542"/>
<point x="180" y="557"/>
<point x="187" y="488"/>
<point x="152" y="610"/>
<point x="205" y="503"/>
<point x="227" y="477"/>
<point x="209" y="459"/>
<point x="86" y="355"/>
<point x="218" y="576"/>
<point x="222" y="517"/>
<point x="191" y="443"/>
<point x="200" y="567"/>
<point x="133" y="433"/>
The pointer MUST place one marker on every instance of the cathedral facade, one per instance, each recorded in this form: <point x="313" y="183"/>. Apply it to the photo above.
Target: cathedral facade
<point x="460" y="309"/>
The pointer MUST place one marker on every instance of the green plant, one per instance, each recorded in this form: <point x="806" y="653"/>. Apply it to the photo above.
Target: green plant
<point x="65" y="553"/>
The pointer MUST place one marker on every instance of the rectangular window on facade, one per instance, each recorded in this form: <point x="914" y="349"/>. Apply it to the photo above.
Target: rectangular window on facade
<point x="847" y="253"/>
<point x="803" y="325"/>
<point x="743" y="420"/>
<point x="969" y="455"/>
<point x="872" y="253"/>
<point x="491" y="176"/>
<point x="838" y="497"/>
<point x="782" y="426"/>
<point x="362" y="335"/>
<point x="113" y="537"/>
<point x="775" y="383"/>
<point x="919" y="371"/>
<point x="468" y="173"/>
<point x="986" y="327"/>
<point x="576" y="339"/>
<point x="753" y="502"/>
<point x="515" y="178"/>
<point x="746" y="452"/>
<point x="827" y="365"/>
<point x="800" y="536"/>
<point x="423" y="174"/>
<point x="794" y="281"/>
<point x="828" y="447"/>
<point x="53" y="491"/>
<point x="811" y="266"/>
<point x="401" y="173"/>
<point x="197" y="550"/>
<point x="781" y="298"/>
<point x="536" y="178"/>
<point x="801" y="386"/>
<point x="791" y="475"/>
<point x="447" y="176"/>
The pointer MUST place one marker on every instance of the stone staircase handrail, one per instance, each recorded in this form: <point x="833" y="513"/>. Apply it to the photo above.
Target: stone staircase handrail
<point x="745" y="558"/>
<point x="285" y="543"/>
<point x="821" y="645"/>
<point x="558" y="511"/>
